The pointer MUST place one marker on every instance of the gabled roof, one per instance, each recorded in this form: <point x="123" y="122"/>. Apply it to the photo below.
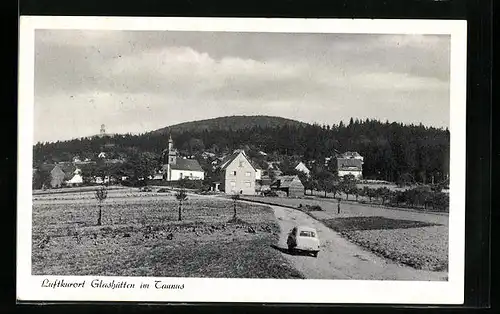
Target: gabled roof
<point x="67" y="168"/>
<point x="229" y="159"/>
<point x="186" y="164"/>
<point x="301" y="163"/>
<point x="343" y="163"/>
<point x="351" y="155"/>
<point x="285" y="181"/>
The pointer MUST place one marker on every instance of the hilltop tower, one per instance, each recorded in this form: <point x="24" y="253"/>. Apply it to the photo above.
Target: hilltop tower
<point x="102" y="131"/>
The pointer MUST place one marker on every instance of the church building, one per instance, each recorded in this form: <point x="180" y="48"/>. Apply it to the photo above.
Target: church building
<point x="175" y="168"/>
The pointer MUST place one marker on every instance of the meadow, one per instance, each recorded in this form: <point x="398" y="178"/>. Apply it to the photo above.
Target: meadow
<point x="140" y="235"/>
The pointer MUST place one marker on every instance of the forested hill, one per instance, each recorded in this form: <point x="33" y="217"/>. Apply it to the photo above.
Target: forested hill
<point x="229" y="123"/>
<point x="389" y="149"/>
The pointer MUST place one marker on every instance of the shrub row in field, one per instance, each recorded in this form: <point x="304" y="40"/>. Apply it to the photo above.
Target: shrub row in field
<point x="414" y="198"/>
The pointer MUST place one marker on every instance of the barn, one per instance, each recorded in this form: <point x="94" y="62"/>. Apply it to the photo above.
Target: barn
<point x="291" y="185"/>
<point x="59" y="173"/>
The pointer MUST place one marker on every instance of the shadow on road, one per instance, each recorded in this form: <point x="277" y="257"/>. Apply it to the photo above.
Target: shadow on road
<point x="289" y="252"/>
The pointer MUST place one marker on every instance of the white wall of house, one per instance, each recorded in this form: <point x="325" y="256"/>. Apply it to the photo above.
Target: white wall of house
<point x="258" y="174"/>
<point x="358" y="174"/>
<point x="76" y="180"/>
<point x="176" y="175"/>
<point x="100" y="180"/>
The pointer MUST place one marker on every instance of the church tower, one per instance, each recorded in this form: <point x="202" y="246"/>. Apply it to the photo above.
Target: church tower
<point x="169" y="159"/>
<point x="172" y="153"/>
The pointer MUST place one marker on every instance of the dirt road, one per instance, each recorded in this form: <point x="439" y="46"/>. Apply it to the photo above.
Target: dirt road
<point x="339" y="258"/>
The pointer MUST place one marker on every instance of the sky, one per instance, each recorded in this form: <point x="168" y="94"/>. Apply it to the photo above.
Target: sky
<point x="139" y="81"/>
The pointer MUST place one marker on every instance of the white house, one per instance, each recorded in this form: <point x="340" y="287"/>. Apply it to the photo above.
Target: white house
<point x="302" y="167"/>
<point x="175" y="168"/>
<point x="350" y="163"/>
<point x="238" y="174"/>
<point x="101" y="180"/>
<point x="75" y="180"/>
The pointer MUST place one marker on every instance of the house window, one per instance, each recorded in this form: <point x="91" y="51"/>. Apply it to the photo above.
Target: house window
<point x="248" y="184"/>
<point x="247" y="174"/>
<point x="233" y="184"/>
<point x="234" y="173"/>
<point x="241" y="163"/>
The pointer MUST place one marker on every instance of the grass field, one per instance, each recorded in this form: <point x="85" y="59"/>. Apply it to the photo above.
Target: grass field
<point x="141" y="236"/>
<point x="413" y="238"/>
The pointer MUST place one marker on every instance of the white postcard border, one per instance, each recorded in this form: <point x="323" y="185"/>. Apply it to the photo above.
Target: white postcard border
<point x="248" y="290"/>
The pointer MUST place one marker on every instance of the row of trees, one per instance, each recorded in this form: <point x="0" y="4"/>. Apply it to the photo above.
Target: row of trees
<point x="428" y="197"/>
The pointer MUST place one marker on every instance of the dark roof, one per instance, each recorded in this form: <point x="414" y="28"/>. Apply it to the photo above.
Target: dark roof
<point x="343" y="163"/>
<point x="254" y="164"/>
<point x="67" y="168"/>
<point x="226" y="161"/>
<point x="286" y="181"/>
<point x="186" y="164"/>
<point x="350" y="154"/>
<point x="264" y="181"/>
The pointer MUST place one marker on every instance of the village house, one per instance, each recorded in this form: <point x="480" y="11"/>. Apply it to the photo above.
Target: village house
<point x="77" y="178"/>
<point x="350" y="163"/>
<point x="60" y="173"/>
<point x="302" y="168"/>
<point x="176" y="168"/>
<point x="238" y="174"/>
<point x="291" y="185"/>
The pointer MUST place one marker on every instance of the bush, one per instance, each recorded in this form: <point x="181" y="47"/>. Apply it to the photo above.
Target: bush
<point x="134" y="183"/>
<point x="270" y="193"/>
<point x="163" y="190"/>
<point x="314" y="208"/>
<point x="190" y="184"/>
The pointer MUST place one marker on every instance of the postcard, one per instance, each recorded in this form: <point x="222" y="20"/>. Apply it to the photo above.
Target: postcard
<point x="241" y="160"/>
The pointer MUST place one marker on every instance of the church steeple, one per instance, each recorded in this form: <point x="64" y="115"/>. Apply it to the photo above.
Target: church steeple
<point x="170" y="143"/>
<point x="172" y="153"/>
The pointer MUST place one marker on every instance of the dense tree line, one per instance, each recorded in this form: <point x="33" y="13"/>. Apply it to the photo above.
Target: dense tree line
<point x="391" y="151"/>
